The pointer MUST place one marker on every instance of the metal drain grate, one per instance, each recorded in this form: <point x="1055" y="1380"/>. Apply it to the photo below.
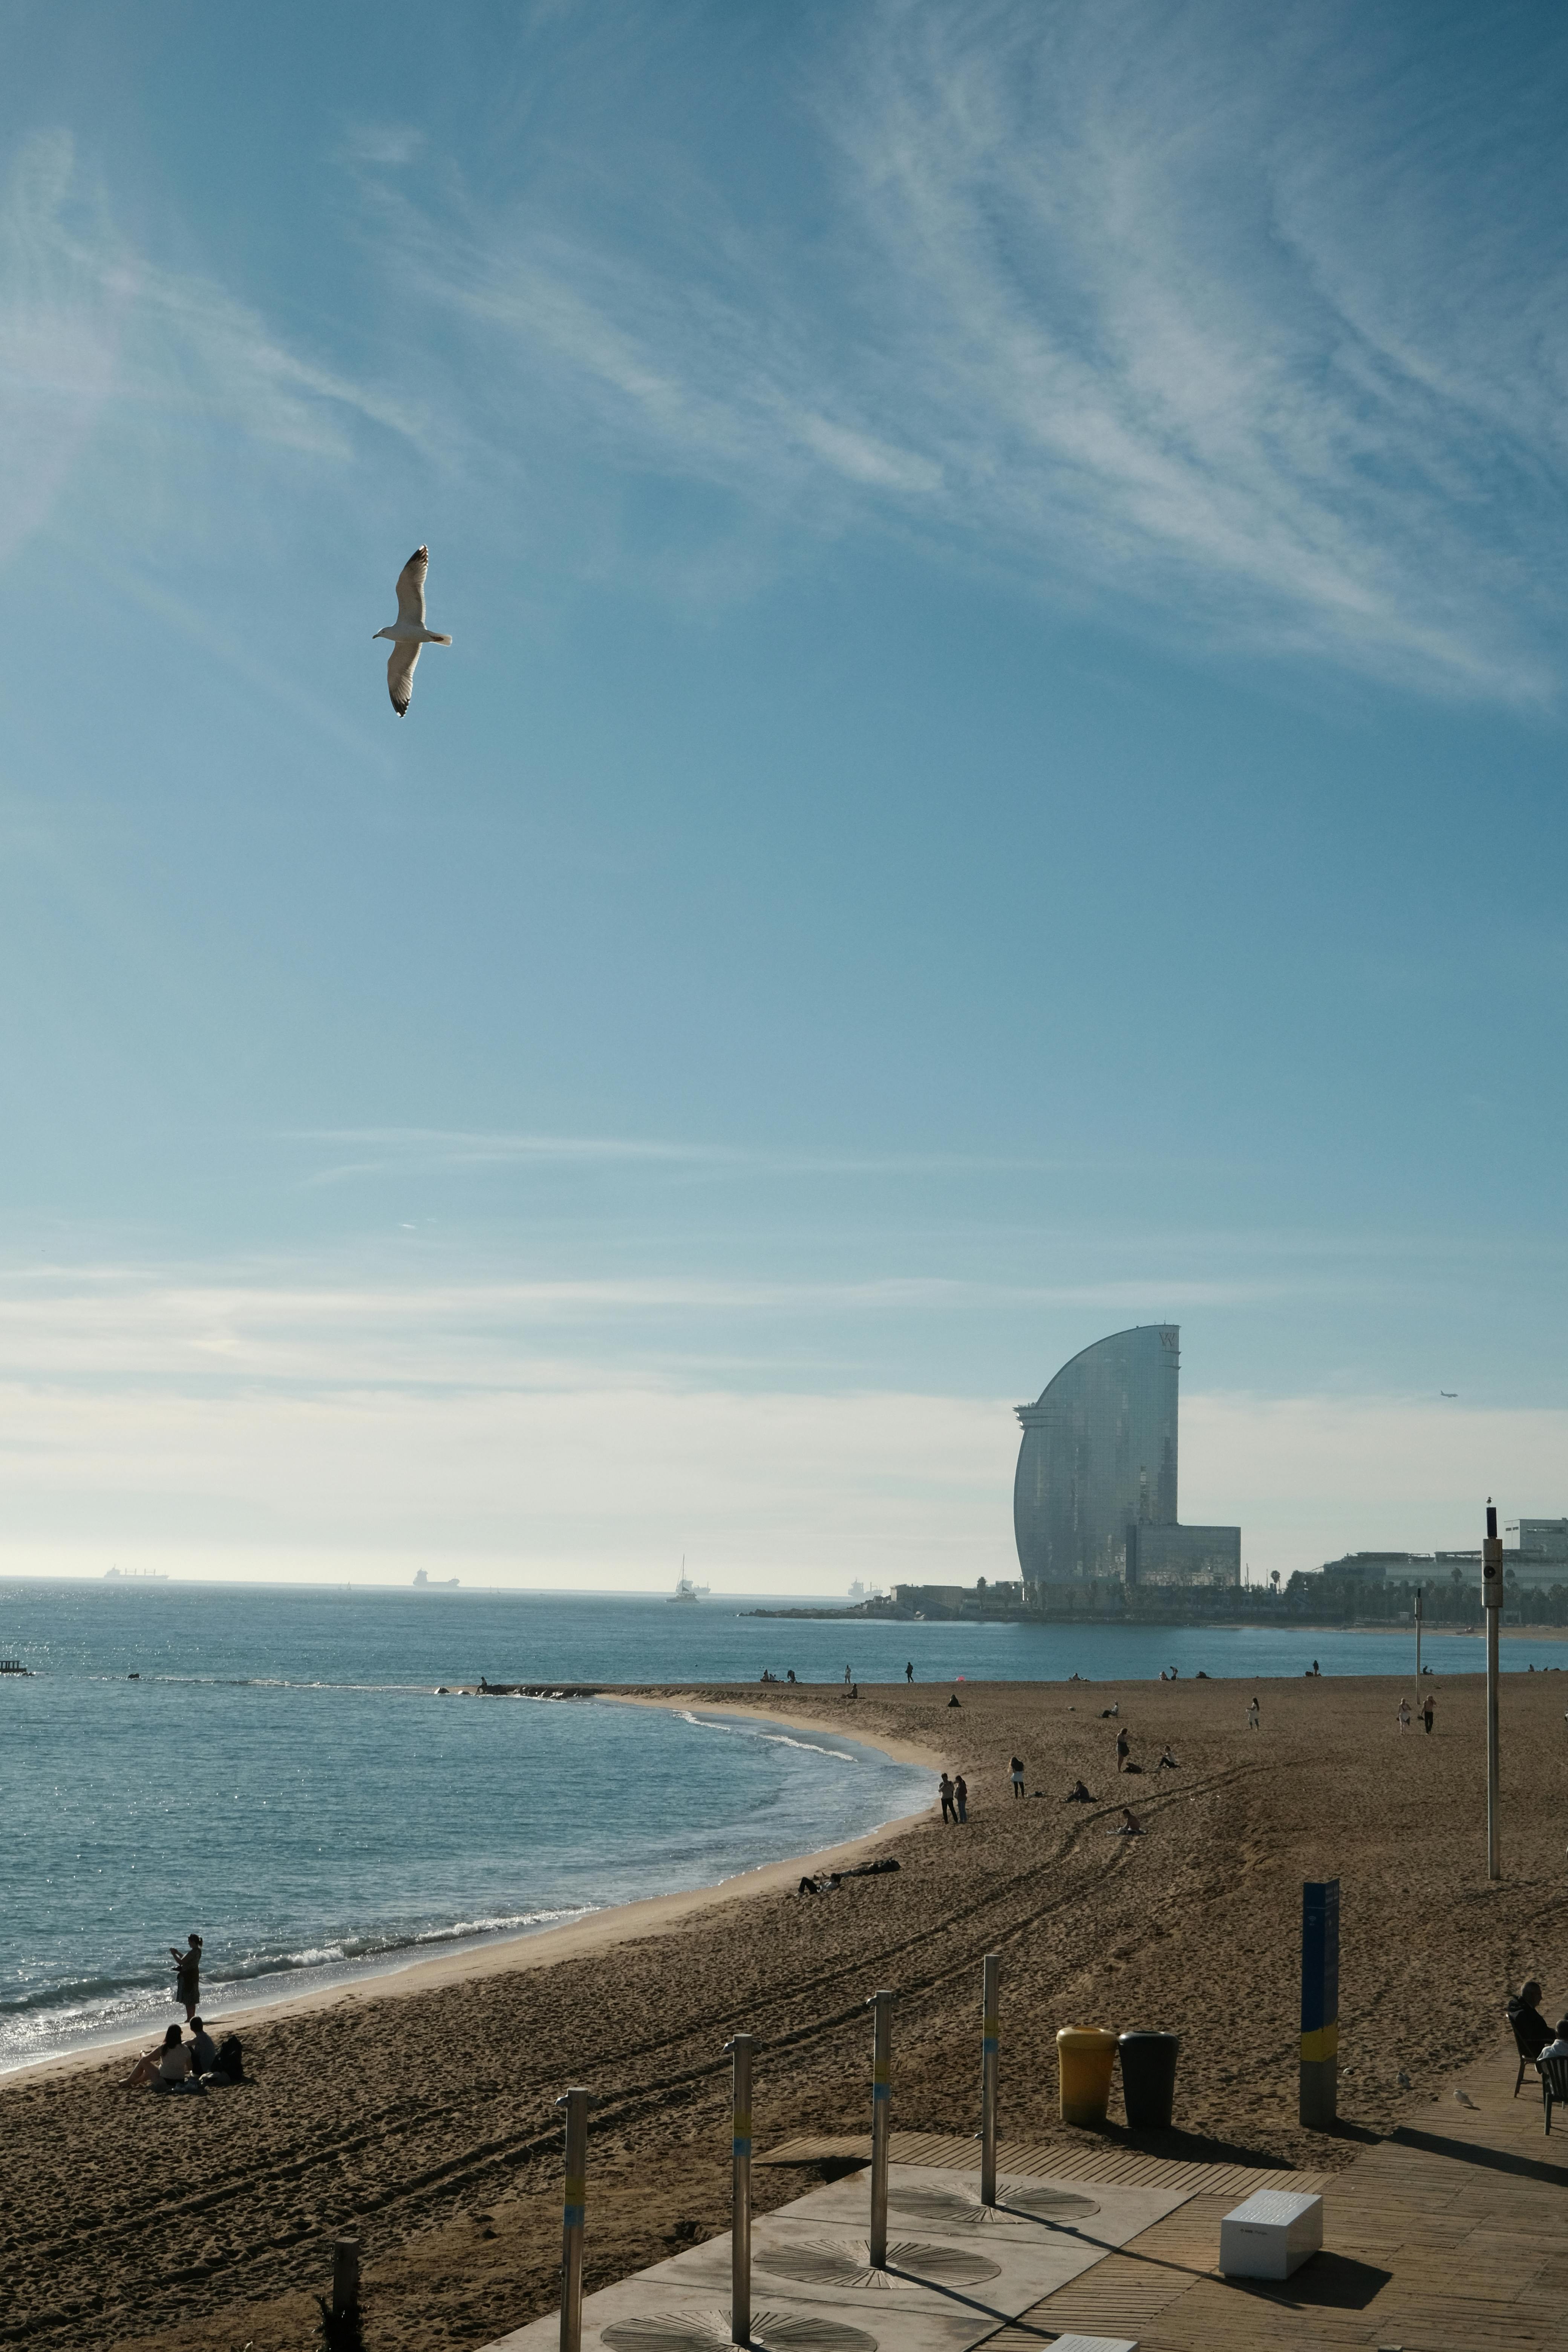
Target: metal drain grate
<point x="1050" y="2204"/>
<point x="771" y="2331"/>
<point x="830" y="2263"/>
<point x="950" y="2209"/>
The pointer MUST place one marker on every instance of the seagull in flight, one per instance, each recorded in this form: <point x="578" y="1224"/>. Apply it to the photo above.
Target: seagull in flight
<point x="408" y="632"/>
<point x="1448" y="1393"/>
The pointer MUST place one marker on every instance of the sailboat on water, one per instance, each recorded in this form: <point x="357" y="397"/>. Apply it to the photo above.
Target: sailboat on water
<point x="685" y="1590"/>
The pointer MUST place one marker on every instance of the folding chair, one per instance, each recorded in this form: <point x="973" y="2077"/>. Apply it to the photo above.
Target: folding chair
<point x="1553" y="2073"/>
<point x="1526" y="2057"/>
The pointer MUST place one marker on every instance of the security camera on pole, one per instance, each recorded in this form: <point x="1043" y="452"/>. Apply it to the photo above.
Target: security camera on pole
<point x="1491" y="1596"/>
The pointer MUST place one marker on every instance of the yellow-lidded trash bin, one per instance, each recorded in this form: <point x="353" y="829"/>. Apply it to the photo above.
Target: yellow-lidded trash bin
<point x="1086" y="2059"/>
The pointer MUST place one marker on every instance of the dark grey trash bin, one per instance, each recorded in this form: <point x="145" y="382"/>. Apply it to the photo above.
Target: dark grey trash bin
<point x="1149" y="2078"/>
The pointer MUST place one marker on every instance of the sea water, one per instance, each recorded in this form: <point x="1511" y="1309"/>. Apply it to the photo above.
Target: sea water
<point x="271" y="1767"/>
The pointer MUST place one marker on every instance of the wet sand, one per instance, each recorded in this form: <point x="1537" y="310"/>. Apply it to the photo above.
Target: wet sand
<point x="423" y="2112"/>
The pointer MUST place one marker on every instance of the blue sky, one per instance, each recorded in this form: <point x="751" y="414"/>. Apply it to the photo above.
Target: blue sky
<point x="1000" y="776"/>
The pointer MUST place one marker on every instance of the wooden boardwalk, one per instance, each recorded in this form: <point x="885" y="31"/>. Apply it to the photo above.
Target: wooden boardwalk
<point x="1446" y="2237"/>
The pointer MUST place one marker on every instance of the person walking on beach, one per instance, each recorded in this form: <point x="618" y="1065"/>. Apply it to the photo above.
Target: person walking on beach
<point x="1123" y="1749"/>
<point x="1017" y="1772"/>
<point x="1405" y="1715"/>
<point x="188" y="1975"/>
<point x="1253" y="1716"/>
<point x="849" y="1677"/>
<point x="1428" y="1704"/>
<point x="944" y="1791"/>
<point x="909" y="1672"/>
<point x="961" y="1798"/>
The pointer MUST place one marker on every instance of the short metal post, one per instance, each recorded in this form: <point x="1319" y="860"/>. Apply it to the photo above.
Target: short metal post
<point x="990" y="2031"/>
<point x="740" y="2049"/>
<point x="576" y="2105"/>
<point x="882" y="2003"/>
<point x="345" y="2277"/>
<point x="1492" y="1602"/>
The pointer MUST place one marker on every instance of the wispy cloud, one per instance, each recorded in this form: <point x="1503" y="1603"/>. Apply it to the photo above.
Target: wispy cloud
<point x="1156" y="306"/>
<point x="94" y="332"/>
<point x="388" y="1150"/>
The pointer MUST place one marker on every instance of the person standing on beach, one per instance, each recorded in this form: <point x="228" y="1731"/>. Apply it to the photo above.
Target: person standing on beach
<point x="1428" y="1704"/>
<point x="1253" y="1716"/>
<point x="961" y="1798"/>
<point x="944" y="1791"/>
<point x="1017" y="1772"/>
<point x="188" y="1975"/>
<point x="1123" y="1749"/>
<point x="849" y="1677"/>
<point x="1405" y="1715"/>
<point x="909" y="1672"/>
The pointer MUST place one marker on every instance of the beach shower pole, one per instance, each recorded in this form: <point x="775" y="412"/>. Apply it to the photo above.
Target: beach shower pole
<point x="741" y="2050"/>
<point x="1491" y="1597"/>
<point x="989" y="2027"/>
<point x="576" y="2105"/>
<point x="881" y="2119"/>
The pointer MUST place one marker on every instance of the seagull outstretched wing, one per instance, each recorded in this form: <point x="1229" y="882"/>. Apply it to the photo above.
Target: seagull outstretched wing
<point x="411" y="589"/>
<point x="400" y="664"/>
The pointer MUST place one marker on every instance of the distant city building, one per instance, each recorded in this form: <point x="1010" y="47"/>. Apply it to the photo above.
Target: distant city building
<point x="1377" y="1567"/>
<point x="1095" y="1492"/>
<point x="1541" y="1560"/>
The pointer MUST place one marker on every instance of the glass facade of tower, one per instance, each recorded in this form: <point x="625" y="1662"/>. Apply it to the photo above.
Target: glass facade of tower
<point x="1098" y="1457"/>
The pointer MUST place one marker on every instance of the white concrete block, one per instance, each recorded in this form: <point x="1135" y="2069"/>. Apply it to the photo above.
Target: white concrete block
<point x="1271" y="2235"/>
<point x="1095" y="2344"/>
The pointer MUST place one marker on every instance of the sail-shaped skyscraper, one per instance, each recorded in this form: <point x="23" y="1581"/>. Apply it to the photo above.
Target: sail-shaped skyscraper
<point x="1095" y="1493"/>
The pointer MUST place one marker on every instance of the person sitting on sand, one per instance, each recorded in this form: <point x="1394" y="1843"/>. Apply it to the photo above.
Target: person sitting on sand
<point x="944" y="1791"/>
<point x="188" y="1975"/>
<point x="1167" y="1762"/>
<point x="953" y="1700"/>
<point x="164" y="2068"/>
<point x="1016" y="1769"/>
<point x="204" y="2049"/>
<point x="1129" y="1825"/>
<point x="1530" y="2030"/>
<point x="1078" y="1795"/>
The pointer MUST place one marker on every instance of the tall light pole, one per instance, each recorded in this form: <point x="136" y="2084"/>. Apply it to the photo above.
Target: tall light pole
<point x="1491" y="1597"/>
<point x="1419" y="1645"/>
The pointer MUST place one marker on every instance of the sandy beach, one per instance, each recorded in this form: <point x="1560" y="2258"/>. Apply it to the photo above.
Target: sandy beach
<point x="421" y="2106"/>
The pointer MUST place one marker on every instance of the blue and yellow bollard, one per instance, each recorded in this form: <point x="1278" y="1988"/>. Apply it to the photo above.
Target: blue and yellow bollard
<point x="1319" y="2103"/>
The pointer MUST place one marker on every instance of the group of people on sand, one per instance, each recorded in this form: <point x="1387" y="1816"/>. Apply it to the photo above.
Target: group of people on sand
<point x="178" y="2064"/>
<point x="953" y="1791"/>
<point x="1428" y="1704"/>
